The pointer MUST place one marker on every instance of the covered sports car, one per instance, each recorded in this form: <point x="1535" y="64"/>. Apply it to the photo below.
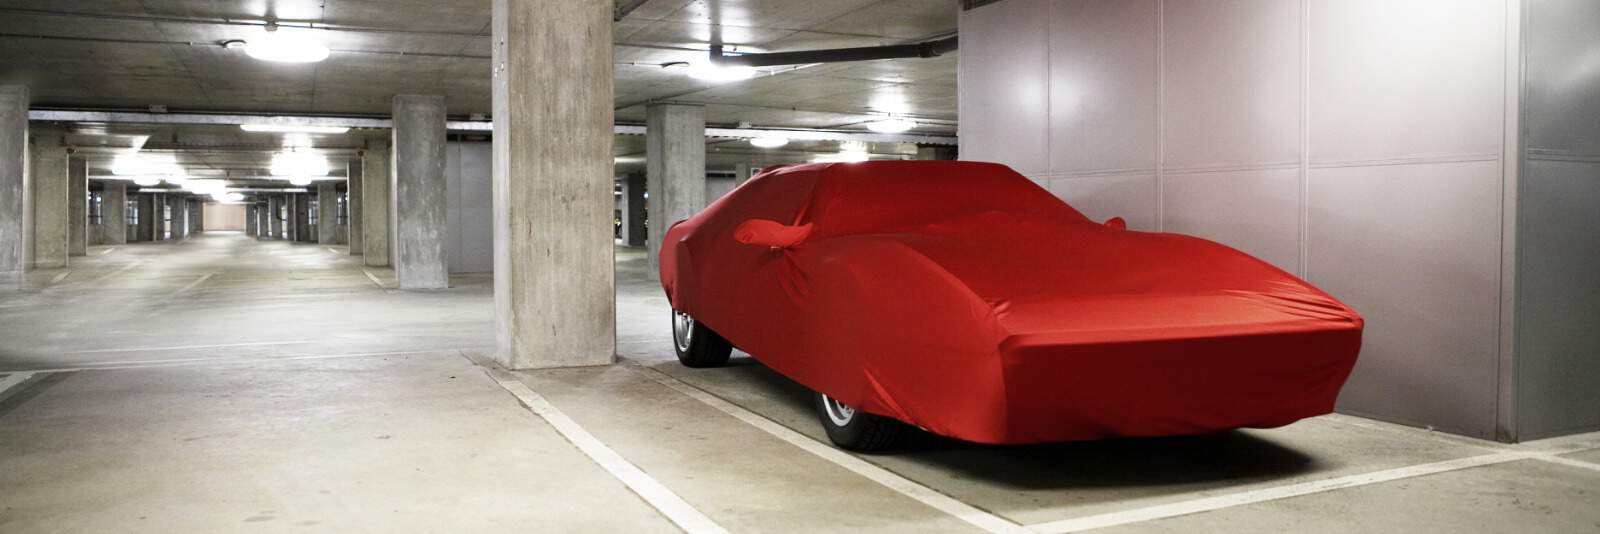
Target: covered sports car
<point x="963" y="299"/>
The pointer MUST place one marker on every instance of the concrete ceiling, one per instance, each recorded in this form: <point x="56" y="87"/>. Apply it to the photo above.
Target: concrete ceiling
<point x="138" y="53"/>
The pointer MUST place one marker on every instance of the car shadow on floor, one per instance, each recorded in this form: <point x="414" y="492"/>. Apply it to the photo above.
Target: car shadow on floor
<point x="1204" y="460"/>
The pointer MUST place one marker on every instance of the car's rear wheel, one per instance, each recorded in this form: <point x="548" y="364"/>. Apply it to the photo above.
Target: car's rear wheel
<point x="860" y="431"/>
<point x="697" y="345"/>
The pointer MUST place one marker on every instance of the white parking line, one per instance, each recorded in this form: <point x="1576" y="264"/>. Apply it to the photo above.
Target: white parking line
<point x="114" y="274"/>
<point x="60" y="277"/>
<point x="938" y="501"/>
<point x="178" y="362"/>
<point x="373" y="278"/>
<point x="679" y="511"/>
<point x="189" y="347"/>
<point x="1207" y="504"/>
<point x="13" y="380"/>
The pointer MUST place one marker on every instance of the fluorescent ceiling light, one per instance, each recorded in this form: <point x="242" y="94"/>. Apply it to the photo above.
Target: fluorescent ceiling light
<point x="891" y="125"/>
<point x="720" y="73"/>
<point x="769" y="142"/>
<point x="842" y="157"/>
<point x="205" y="187"/>
<point x="146" y="181"/>
<point x="299" y="164"/>
<point x="300" y="181"/>
<point x="142" y="165"/>
<point x="232" y="197"/>
<point x="286" y="48"/>
<point x="290" y="128"/>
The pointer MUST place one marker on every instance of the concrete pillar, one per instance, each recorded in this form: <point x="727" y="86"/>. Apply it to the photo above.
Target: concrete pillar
<point x="554" y="281"/>
<point x="353" y="208"/>
<point x="161" y="216"/>
<point x="418" y="206"/>
<point x="48" y="165"/>
<point x="328" y="213"/>
<point x="197" y="216"/>
<point x="302" y="217"/>
<point x="114" y="212"/>
<point x="936" y="152"/>
<point x="77" y="206"/>
<point x="675" y="163"/>
<point x="263" y="218"/>
<point x="250" y="220"/>
<point x="178" y="213"/>
<point x="16" y="192"/>
<point x="275" y="209"/>
<point x="375" y="203"/>
<point x="147" y="217"/>
<point x="633" y="210"/>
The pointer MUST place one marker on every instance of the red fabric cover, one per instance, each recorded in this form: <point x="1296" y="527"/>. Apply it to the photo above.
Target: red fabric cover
<point x="962" y="298"/>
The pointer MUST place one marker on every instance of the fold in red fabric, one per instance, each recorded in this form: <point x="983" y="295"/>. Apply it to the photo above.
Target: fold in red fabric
<point x="964" y="299"/>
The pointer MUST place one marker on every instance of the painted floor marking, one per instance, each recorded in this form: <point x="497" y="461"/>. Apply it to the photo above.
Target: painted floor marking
<point x="373" y="278"/>
<point x="114" y="274"/>
<point x="179" y="362"/>
<point x="190" y="347"/>
<point x="60" y="277"/>
<point x="1569" y="462"/>
<point x="679" y="511"/>
<point x="1207" y="504"/>
<point x="13" y="380"/>
<point x="928" y="496"/>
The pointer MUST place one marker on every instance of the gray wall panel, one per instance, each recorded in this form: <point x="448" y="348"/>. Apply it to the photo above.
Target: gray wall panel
<point x="1230" y="83"/>
<point x="471" y="213"/>
<point x="1415" y="249"/>
<point x="1102" y="85"/>
<point x="1003" y="84"/>
<point x="1132" y="197"/>
<point x="1257" y="211"/>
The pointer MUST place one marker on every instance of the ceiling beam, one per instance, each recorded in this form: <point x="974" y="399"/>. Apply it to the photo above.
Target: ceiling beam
<point x="215" y="119"/>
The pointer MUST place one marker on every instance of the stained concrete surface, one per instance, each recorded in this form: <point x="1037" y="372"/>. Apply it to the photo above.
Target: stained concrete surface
<point x="229" y="384"/>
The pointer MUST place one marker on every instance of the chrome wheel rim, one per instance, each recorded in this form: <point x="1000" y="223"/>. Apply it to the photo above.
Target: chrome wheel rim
<point x="682" y="330"/>
<point x="840" y="414"/>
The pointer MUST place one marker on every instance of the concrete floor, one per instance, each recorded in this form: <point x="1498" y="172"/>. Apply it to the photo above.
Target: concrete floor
<point x="225" y="384"/>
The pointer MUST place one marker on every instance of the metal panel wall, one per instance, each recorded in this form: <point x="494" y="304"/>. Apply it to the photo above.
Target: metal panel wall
<point x="1358" y="143"/>
<point x="1558" y="232"/>
<point x="471" y="213"/>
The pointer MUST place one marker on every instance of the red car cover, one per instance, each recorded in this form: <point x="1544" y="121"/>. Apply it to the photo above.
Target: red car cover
<point x="964" y="299"/>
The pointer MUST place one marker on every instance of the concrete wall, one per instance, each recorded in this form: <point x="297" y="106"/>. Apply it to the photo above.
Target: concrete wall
<point x="1357" y="143"/>
<point x="468" y="174"/>
<point x="1558" y="230"/>
<point x="224" y="217"/>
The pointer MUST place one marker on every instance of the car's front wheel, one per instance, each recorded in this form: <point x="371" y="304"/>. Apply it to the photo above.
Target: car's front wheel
<point x="697" y="345"/>
<point x="856" y="430"/>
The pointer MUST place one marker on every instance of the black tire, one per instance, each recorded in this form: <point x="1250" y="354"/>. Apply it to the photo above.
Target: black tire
<point x="859" y="431"/>
<point x="696" y="344"/>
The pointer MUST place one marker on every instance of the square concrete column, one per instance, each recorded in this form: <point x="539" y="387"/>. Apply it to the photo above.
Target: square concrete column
<point x="147" y="217"/>
<point x="16" y="192"/>
<point x="178" y="210"/>
<point x="418" y="203"/>
<point x="114" y="212"/>
<point x="197" y="215"/>
<point x="77" y="206"/>
<point x="353" y="208"/>
<point x="328" y="213"/>
<point x="263" y="218"/>
<point x="51" y="195"/>
<point x="375" y="166"/>
<point x="675" y="166"/>
<point x="161" y="215"/>
<point x="275" y="209"/>
<point x="302" y="217"/>
<point x="554" y="271"/>
<point x="633" y="210"/>
<point x="250" y="220"/>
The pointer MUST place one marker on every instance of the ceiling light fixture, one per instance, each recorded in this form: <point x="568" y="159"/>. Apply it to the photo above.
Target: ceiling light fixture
<point x="147" y="181"/>
<point x="232" y="197"/>
<point x="769" y="142"/>
<point x="292" y="128"/>
<point x="300" y="181"/>
<point x="295" y="163"/>
<point x="282" y="48"/>
<point x="891" y="125"/>
<point x="712" y="72"/>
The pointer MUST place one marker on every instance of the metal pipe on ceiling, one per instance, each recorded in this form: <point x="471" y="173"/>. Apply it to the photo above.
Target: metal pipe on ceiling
<point x="214" y="119"/>
<point x="927" y="49"/>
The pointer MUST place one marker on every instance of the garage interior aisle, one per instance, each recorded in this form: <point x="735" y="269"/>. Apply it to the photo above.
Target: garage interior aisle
<point x="371" y="410"/>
